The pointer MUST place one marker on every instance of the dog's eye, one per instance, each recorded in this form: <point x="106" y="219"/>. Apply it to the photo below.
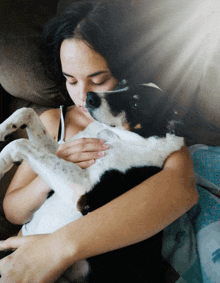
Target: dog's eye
<point x="135" y="105"/>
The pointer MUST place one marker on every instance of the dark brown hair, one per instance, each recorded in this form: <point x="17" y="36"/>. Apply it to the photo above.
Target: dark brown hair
<point x="108" y="27"/>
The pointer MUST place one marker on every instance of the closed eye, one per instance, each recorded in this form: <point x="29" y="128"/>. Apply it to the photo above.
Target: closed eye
<point x="72" y="83"/>
<point x="101" y="83"/>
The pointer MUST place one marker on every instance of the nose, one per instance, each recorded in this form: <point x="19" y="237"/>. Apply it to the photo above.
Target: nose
<point x="93" y="100"/>
<point x="82" y="95"/>
<point x="81" y="91"/>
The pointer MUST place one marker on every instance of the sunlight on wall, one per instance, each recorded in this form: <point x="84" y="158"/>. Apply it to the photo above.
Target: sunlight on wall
<point x="183" y="36"/>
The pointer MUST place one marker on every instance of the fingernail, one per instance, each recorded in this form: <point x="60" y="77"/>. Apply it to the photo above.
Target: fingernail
<point x="92" y="161"/>
<point x="105" y="145"/>
<point x="101" y="153"/>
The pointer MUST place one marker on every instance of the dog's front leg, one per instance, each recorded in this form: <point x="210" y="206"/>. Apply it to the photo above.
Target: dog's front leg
<point x="61" y="176"/>
<point x="27" y="118"/>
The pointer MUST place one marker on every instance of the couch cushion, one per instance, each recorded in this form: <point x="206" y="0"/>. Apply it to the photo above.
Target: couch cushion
<point x="21" y="73"/>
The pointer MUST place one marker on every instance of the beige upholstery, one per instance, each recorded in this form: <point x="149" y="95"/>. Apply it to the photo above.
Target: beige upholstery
<point x="21" y="73"/>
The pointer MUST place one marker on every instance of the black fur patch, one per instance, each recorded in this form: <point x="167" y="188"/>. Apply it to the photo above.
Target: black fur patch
<point x="116" y="183"/>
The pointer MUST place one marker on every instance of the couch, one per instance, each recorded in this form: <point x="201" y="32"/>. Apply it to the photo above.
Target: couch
<point x="23" y="81"/>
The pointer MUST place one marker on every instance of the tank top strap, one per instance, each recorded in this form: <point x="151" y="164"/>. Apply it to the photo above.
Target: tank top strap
<point x="61" y="131"/>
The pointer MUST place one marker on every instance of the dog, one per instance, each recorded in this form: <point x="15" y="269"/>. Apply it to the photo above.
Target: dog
<point x="139" y="143"/>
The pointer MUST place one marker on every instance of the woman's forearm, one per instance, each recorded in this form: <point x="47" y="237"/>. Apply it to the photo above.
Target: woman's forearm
<point x="20" y="204"/>
<point x="136" y="215"/>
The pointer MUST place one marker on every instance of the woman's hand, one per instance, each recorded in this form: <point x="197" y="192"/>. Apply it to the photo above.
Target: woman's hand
<point x="82" y="152"/>
<point x="36" y="259"/>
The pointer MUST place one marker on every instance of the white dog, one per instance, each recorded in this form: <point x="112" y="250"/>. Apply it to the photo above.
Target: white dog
<point x="71" y="184"/>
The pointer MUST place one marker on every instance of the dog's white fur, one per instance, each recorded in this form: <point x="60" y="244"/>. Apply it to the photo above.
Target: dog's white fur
<point x="68" y="180"/>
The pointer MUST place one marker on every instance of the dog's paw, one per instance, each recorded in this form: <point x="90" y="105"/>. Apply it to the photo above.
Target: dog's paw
<point x="107" y="135"/>
<point x="11" y="155"/>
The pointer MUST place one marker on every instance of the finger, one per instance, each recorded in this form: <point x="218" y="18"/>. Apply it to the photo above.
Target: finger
<point x="82" y="152"/>
<point x="2" y="246"/>
<point x="85" y="164"/>
<point x="84" y="156"/>
<point x="15" y="242"/>
<point x="83" y="144"/>
<point x="80" y="142"/>
<point x="11" y="243"/>
<point x="88" y="140"/>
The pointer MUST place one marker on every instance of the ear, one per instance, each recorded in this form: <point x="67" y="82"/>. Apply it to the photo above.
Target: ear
<point x="107" y="135"/>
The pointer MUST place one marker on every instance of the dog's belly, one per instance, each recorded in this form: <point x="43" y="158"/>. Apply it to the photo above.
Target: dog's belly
<point x="54" y="214"/>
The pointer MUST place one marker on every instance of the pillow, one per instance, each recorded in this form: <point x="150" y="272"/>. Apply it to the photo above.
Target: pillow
<point x="21" y="73"/>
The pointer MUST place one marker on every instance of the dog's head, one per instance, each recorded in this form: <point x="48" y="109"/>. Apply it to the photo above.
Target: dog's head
<point x="140" y="109"/>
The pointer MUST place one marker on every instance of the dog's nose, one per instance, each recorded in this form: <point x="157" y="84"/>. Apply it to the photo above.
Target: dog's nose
<point x="93" y="100"/>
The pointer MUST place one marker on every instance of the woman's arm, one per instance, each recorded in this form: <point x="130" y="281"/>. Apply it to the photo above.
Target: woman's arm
<point x="27" y="191"/>
<point x="136" y="215"/>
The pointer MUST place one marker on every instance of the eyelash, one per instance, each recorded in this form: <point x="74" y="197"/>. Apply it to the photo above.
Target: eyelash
<point x="71" y="83"/>
<point x="95" y="84"/>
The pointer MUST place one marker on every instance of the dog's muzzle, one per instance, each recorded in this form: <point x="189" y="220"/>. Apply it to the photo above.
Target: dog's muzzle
<point x="93" y="100"/>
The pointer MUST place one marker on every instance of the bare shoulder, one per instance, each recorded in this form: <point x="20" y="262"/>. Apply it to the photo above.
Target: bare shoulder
<point x="50" y="119"/>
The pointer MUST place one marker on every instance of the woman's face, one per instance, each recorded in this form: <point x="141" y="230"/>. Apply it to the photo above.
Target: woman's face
<point x="85" y="70"/>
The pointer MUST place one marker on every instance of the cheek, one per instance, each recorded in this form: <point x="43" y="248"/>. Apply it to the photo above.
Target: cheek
<point x="71" y="91"/>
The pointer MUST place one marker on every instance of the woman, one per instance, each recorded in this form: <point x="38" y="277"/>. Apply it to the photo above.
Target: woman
<point x="78" y="50"/>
